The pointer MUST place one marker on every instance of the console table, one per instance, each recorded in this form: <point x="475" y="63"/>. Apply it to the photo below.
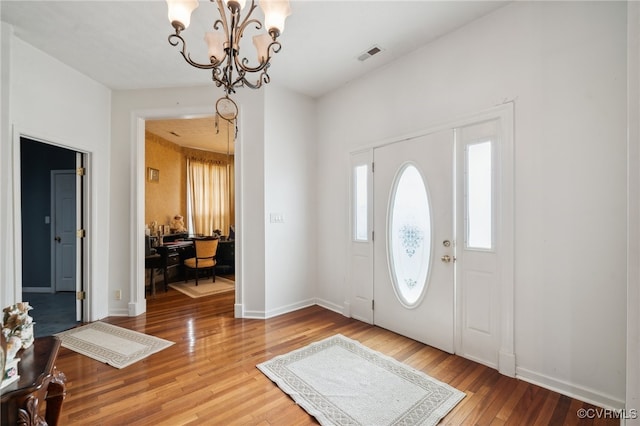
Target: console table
<point x="40" y="385"/>
<point x="171" y="256"/>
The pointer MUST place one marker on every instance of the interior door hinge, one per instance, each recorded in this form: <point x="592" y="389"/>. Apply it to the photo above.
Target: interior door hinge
<point x="80" y="233"/>
<point x="80" y="171"/>
<point x="373" y="167"/>
<point x="372" y="304"/>
<point x="373" y="235"/>
<point x="80" y="295"/>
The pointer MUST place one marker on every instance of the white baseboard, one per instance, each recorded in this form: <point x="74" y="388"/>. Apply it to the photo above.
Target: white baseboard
<point x="571" y="390"/>
<point x="253" y="315"/>
<point x="238" y="310"/>
<point x="138" y="308"/>
<point x="331" y="306"/>
<point x="290" y="308"/>
<point x="121" y="312"/>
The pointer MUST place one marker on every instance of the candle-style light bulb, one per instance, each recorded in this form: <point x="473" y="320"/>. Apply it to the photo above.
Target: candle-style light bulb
<point x="275" y="13"/>
<point x="180" y="12"/>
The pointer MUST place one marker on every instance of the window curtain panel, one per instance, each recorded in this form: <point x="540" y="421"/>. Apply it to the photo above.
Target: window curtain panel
<point x="210" y="195"/>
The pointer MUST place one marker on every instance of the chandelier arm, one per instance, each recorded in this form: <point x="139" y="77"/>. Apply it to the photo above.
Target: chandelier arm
<point x="239" y="80"/>
<point x="219" y="81"/>
<point x="274" y="47"/>
<point x="175" y="39"/>
<point x="245" y="23"/>
<point x="216" y="27"/>
<point x="246" y="20"/>
<point x="239" y="32"/>
<point x="263" y="78"/>
<point x="223" y="18"/>
<point x="221" y="76"/>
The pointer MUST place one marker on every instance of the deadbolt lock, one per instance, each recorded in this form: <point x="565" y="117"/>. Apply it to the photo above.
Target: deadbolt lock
<point x="446" y="243"/>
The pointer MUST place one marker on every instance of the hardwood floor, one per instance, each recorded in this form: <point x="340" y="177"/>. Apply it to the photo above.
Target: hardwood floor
<point x="209" y="376"/>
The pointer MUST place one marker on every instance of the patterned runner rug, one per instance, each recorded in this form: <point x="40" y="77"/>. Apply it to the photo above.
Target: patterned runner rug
<point x="205" y="287"/>
<point x="341" y="382"/>
<point x="116" y="346"/>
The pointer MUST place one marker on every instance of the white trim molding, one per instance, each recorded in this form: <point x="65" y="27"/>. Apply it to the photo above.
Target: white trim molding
<point x="633" y="213"/>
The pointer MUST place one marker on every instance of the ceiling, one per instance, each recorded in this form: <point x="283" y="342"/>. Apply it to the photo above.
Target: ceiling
<point x="200" y="133"/>
<point x="123" y="44"/>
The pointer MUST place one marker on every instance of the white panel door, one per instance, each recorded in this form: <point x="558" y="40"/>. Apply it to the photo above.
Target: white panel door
<point x="64" y="227"/>
<point x="414" y="243"/>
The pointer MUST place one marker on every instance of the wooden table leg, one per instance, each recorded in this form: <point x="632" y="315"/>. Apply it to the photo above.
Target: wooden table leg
<point x="56" y="391"/>
<point x="166" y="279"/>
<point x="152" y="282"/>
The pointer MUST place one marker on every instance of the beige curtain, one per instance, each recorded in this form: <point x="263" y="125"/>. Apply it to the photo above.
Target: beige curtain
<point x="210" y="195"/>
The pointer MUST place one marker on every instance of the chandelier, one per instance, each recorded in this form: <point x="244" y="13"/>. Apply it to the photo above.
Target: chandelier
<point x="229" y="69"/>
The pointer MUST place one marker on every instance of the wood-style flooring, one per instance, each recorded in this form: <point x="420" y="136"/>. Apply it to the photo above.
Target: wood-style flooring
<point x="209" y="376"/>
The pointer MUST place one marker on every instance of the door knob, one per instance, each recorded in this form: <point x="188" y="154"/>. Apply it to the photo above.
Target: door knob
<point x="446" y="258"/>
<point x="58" y="239"/>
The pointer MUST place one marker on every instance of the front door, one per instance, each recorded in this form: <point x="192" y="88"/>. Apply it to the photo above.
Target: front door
<point x="414" y="239"/>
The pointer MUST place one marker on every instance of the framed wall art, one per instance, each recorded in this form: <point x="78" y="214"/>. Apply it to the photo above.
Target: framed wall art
<point x="153" y="175"/>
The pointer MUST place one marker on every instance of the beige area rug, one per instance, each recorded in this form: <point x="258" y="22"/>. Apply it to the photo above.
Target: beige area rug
<point x="205" y="287"/>
<point x="339" y="381"/>
<point x="113" y="345"/>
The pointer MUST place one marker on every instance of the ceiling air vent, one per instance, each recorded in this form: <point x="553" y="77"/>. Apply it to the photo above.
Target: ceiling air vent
<point x="369" y="53"/>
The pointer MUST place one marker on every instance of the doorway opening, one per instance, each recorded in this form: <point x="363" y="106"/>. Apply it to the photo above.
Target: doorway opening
<point x="52" y="212"/>
<point x="187" y="140"/>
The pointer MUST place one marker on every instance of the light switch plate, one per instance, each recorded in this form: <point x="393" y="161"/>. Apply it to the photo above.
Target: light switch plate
<point x="276" y="217"/>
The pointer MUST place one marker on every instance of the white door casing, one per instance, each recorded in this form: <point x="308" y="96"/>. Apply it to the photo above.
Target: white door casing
<point x="81" y="242"/>
<point x="83" y="194"/>
<point x="426" y="316"/>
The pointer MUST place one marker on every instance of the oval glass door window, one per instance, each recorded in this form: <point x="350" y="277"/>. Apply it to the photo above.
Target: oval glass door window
<point x="409" y="236"/>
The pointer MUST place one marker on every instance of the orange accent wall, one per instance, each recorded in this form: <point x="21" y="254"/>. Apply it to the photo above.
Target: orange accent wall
<point x="167" y="197"/>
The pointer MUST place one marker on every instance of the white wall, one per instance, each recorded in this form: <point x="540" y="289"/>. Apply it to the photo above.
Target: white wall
<point x="53" y="103"/>
<point x="290" y="169"/>
<point x="564" y="66"/>
<point x="6" y="200"/>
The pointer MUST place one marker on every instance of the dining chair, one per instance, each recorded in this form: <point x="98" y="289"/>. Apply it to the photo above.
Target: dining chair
<point x="205" y="257"/>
